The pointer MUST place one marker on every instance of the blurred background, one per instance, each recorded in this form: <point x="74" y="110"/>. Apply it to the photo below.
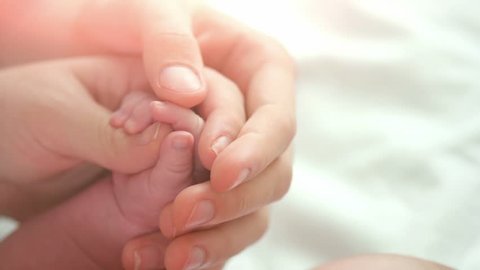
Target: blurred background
<point x="388" y="144"/>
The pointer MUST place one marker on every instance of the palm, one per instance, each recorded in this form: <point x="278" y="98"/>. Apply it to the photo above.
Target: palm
<point x="30" y="117"/>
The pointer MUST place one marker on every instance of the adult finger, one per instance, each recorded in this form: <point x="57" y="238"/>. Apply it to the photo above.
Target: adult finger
<point x="171" y="54"/>
<point x="265" y="74"/>
<point x="224" y="112"/>
<point x="145" y="252"/>
<point x="158" y="29"/>
<point x="180" y="118"/>
<point x="148" y="252"/>
<point x="211" y="248"/>
<point x="200" y="206"/>
<point x="86" y="133"/>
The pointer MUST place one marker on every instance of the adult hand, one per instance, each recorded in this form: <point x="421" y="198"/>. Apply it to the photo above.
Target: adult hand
<point x="160" y="30"/>
<point x="55" y="115"/>
<point x="211" y="216"/>
<point x="168" y="33"/>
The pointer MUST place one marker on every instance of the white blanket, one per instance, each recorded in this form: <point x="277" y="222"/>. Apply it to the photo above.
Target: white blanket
<point x="388" y="144"/>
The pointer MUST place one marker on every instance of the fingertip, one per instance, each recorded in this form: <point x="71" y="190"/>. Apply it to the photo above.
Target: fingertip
<point x="184" y="100"/>
<point x="181" y="79"/>
<point x="221" y="186"/>
<point x="128" y="256"/>
<point x="238" y="163"/>
<point x="185" y="253"/>
<point x="220" y="144"/>
<point x="166" y="222"/>
<point x="176" y="255"/>
<point x="210" y="150"/>
<point x="145" y="252"/>
<point x="226" y="176"/>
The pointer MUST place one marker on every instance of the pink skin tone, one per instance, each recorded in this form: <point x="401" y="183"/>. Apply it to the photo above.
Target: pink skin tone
<point x="90" y="230"/>
<point x="135" y="116"/>
<point x="258" y="66"/>
<point x="67" y="119"/>
<point x="382" y="262"/>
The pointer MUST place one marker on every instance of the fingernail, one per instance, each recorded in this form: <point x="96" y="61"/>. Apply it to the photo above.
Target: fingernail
<point x="148" y="258"/>
<point x="149" y="135"/>
<point x="196" y="258"/>
<point x="181" y="142"/>
<point x="202" y="213"/>
<point x="241" y="177"/>
<point x="180" y="78"/>
<point x="221" y="143"/>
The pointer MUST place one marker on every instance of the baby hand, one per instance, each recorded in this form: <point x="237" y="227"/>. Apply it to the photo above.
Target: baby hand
<point x="138" y="112"/>
<point x="141" y="196"/>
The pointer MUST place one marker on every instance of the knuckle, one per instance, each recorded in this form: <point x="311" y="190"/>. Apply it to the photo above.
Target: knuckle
<point x="242" y="205"/>
<point x="179" y="167"/>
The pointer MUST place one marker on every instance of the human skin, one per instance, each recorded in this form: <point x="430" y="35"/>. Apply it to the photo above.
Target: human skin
<point x="50" y="123"/>
<point x="40" y="140"/>
<point x="73" y="83"/>
<point x="257" y="64"/>
<point x="88" y="231"/>
<point x="134" y="116"/>
<point x="382" y="262"/>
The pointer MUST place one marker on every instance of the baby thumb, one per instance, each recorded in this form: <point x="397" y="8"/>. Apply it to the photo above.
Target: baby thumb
<point x="142" y="196"/>
<point x="173" y="171"/>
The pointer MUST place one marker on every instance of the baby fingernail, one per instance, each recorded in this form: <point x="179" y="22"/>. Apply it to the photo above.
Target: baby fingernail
<point x="241" y="177"/>
<point x="196" y="258"/>
<point x="220" y="144"/>
<point x="202" y="213"/>
<point x="148" y="258"/>
<point x="180" y="78"/>
<point x="149" y="135"/>
<point x="181" y="142"/>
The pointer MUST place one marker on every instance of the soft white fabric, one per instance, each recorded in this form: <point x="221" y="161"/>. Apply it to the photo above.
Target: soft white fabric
<point x="388" y="144"/>
<point x="7" y="226"/>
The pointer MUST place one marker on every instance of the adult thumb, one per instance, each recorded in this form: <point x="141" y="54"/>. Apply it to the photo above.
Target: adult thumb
<point x="81" y="128"/>
<point x="92" y="138"/>
<point x="172" y="56"/>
